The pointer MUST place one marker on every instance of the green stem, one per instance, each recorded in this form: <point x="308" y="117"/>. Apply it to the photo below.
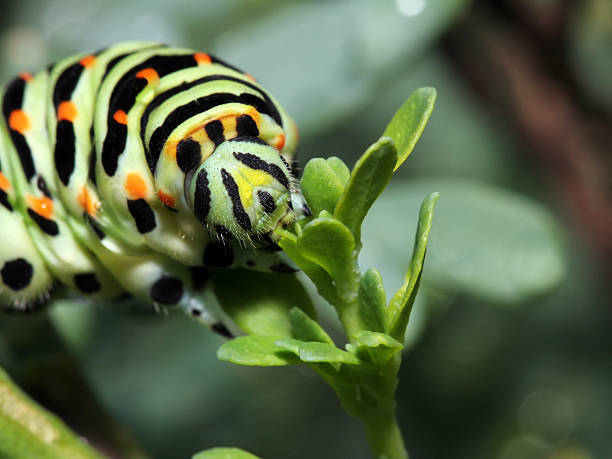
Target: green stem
<point x="384" y="436"/>
<point x="347" y="293"/>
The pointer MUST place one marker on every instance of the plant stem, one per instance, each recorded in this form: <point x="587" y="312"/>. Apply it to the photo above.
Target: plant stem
<point x="349" y="300"/>
<point x="384" y="436"/>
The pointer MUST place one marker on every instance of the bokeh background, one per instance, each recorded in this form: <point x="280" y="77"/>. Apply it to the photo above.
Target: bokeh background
<point x="510" y="343"/>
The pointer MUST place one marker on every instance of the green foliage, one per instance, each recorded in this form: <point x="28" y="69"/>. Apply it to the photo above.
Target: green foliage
<point x="253" y="350"/>
<point x="329" y="244"/>
<point x="401" y="304"/>
<point x="408" y="123"/>
<point x="376" y="347"/>
<point x="488" y="243"/>
<point x="323" y="183"/>
<point x="372" y="301"/>
<point x="262" y="308"/>
<point x="368" y="179"/>
<point x="307" y="329"/>
<point x="27" y="430"/>
<point x="326" y="247"/>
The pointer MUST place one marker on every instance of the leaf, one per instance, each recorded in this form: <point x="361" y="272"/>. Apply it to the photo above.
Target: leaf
<point x="329" y="244"/>
<point x="379" y="347"/>
<point x="317" y="275"/>
<point x="322" y="352"/>
<point x="306" y="329"/>
<point x="340" y="168"/>
<point x="262" y="307"/>
<point x="254" y="350"/>
<point x="27" y="430"/>
<point x="224" y="453"/>
<point x="408" y="123"/>
<point x="369" y="178"/>
<point x="315" y="352"/>
<point x="489" y="243"/>
<point x="321" y="185"/>
<point x="401" y="303"/>
<point x="290" y="345"/>
<point x="372" y="301"/>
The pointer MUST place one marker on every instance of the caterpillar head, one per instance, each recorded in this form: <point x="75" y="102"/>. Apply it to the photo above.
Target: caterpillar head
<point x="243" y="188"/>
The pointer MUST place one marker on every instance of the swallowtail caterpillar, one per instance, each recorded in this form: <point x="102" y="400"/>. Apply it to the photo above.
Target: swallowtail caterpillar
<point x="135" y="170"/>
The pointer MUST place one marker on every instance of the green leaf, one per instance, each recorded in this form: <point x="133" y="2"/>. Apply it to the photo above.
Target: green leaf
<point x="373" y="301"/>
<point x="224" y="453"/>
<point x="321" y="352"/>
<point x="329" y="244"/>
<point x="27" y="430"/>
<point x="254" y="350"/>
<point x="408" y="123"/>
<point x="321" y="184"/>
<point x="369" y="178"/>
<point x="290" y="345"/>
<point x="401" y="303"/>
<point x="306" y="329"/>
<point x="340" y="168"/>
<point x="487" y="242"/>
<point x="379" y="347"/>
<point x="317" y="275"/>
<point x="315" y="352"/>
<point x="263" y="307"/>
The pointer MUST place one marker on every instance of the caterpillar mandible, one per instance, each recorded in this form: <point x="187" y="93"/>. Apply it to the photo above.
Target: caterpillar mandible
<point x="135" y="169"/>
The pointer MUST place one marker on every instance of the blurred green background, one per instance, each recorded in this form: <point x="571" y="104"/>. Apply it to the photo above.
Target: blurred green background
<point x="510" y="341"/>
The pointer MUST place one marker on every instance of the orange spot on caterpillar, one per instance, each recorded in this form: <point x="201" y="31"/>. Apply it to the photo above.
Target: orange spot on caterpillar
<point x="167" y="200"/>
<point x="202" y="58"/>
<point x="86" y="201"/>
<point x="280" y="143"/>
<point x="42" y="206"/>
<point x="67" y="111"/>
<point x="250" y="77"/>
<point x="25" y="76"/>
<point x="148" y="74"/>
<point x="253" y="113"/>
<point x="4" y="182"/>
<point x="135" y="186"/>
<point x="19" y="121"/>
<point x="120" y="117"/>
<point x="88" y="61"/>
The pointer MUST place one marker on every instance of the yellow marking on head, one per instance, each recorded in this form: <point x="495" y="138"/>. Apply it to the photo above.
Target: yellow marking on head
<point x="256" y="177"/>
<point x="245" y="190"/>
<point x="246" y="179"/>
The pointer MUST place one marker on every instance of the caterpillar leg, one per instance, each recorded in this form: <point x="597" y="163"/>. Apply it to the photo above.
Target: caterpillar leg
<point x="157" y="279"/>
<point x="24" y="280"/>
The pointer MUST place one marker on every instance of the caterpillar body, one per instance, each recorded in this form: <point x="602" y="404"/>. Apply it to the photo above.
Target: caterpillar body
<point x="136" y="169"/>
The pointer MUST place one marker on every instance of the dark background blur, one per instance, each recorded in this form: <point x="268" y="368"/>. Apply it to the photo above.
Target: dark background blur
<point x="509" y="350"/>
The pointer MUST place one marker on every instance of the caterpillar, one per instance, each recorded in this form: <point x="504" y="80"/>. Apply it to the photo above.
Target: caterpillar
<point x="136" y="170"/>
